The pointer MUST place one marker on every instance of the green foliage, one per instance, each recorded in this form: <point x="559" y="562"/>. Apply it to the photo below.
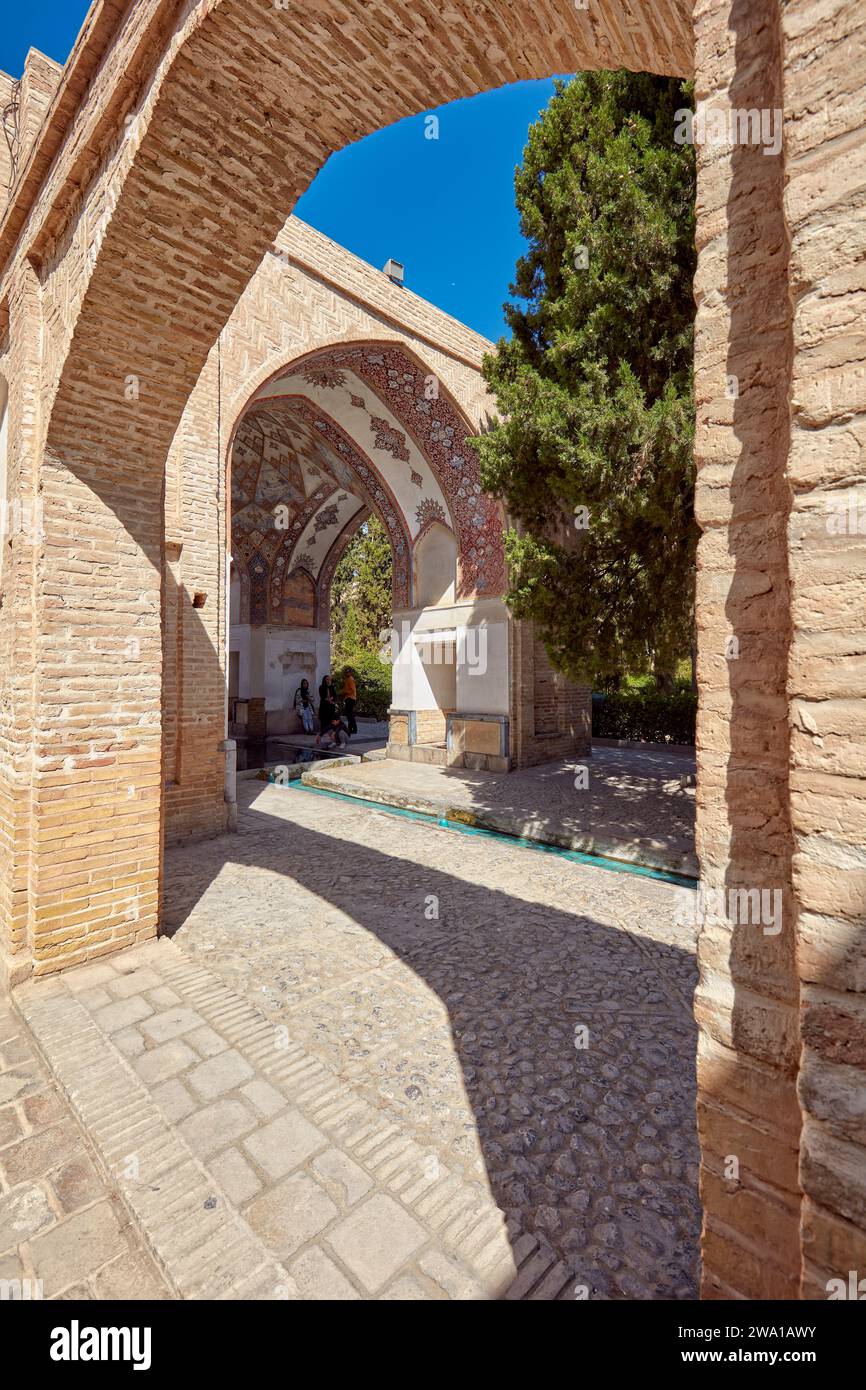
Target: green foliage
<point x="361" y="608"/>
<point x="645" y="716"/>
<point x="647" y="684"/>
<point x="361" y="594"/>
<point x="595" y="386"/>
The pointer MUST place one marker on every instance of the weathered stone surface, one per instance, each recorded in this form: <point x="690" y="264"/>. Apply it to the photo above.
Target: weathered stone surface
<point x="376" y="1239"/>
<point x="164" y="1062"/>
<point x="289" y="1215"/>
<point x="216" y="1125"/>
<point x="218" y="1075"/>
<point x="24" y="1211"/>
<point x="77" y="1248"/>
<point x="281" y="1145"/>
<point x="318" y="1277"/>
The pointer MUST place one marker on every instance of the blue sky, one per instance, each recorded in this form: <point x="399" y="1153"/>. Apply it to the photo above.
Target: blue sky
<point x="444" y="207"/>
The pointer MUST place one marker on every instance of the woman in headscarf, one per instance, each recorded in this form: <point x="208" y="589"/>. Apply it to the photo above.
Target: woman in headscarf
<point x="327" y="703"/>
<point x="304" y="706"/>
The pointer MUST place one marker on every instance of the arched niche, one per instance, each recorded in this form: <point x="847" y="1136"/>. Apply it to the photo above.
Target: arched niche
<point x="298" y="605"/>
<point x="435" y="567"/>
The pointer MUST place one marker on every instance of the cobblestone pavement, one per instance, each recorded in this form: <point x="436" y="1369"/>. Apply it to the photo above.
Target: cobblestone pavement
<point x="444" y="980"/>
<point x="634" y="804"/>
<point x="64" y="1233"/>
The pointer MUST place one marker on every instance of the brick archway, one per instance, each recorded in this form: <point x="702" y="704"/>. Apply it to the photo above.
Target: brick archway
<point x="126" y="247"/>
<point x="439" y="429"/>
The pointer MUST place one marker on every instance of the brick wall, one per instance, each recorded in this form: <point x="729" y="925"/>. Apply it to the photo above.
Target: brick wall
<point x="747" y="998"/>
<point x="551" y="717"/>
<point x="430" y="725"/>
<point x="824" y="52"/>
<point x="39" y="82"/>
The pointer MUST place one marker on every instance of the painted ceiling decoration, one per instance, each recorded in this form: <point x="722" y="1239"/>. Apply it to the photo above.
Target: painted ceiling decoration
<point x="325" y="486"/>
<point x="343" y="434"/>
<point x="375" y="493"/>
<point x="439" y="432"/>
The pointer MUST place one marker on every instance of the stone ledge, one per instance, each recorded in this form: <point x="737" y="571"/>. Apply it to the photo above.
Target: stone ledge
<point x="605" y="847"/>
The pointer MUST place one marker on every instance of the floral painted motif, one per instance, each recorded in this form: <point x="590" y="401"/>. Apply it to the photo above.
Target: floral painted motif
<point x="428" y="511"/>
<point x="440" y="432"/>
<point x="327" y="517"/>
<point x="386" y="437"/>
<point x="316" y="375"/>
<point x="258" y="571"/>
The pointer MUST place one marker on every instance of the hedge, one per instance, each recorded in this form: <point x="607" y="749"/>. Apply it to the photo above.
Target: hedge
<point x="645" y="716"/>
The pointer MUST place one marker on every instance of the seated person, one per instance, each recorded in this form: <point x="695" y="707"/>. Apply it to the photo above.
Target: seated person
<point x="335" y="736"/>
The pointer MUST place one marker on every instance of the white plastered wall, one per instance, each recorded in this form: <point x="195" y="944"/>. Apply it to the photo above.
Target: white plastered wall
<point x="477" y="633"/>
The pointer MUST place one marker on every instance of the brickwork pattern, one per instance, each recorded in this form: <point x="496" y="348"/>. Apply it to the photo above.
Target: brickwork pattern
<point x="747" y="997"/>
<point x="64" y="1230"/>
<point x="551" y="717"/>
<point x="824" y="53"/>
<point x="251" y="1170"/>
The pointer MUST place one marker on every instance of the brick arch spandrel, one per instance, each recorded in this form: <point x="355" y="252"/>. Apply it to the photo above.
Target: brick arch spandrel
<point x="287" y="314"/>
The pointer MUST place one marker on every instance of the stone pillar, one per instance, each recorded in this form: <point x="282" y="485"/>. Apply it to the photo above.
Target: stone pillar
<point x="747" y="999"/>
<point x="230" y="748"/>
<point x="824" y="58"/>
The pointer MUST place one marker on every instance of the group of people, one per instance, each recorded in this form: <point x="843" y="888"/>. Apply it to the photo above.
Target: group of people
<point x="334" y="732"/>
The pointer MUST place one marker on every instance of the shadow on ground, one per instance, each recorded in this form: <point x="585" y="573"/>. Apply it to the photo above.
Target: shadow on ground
<point x="465" y="1025"/>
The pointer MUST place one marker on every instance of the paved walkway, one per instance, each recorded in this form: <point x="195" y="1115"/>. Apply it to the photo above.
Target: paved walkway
<point x="64" y="1232"/>
<point x="633" y="806"/>
<point x="383" y="1059"/>
<point x="442" y="977"/>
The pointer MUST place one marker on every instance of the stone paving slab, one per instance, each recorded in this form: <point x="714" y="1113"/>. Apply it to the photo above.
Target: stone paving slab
<point x="634" y="808"/>
<point x="440" y="978"/>
<point x="281" y="1181"/>
<point x="355" y="1073"/>
<point x="64" y="1230"/>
